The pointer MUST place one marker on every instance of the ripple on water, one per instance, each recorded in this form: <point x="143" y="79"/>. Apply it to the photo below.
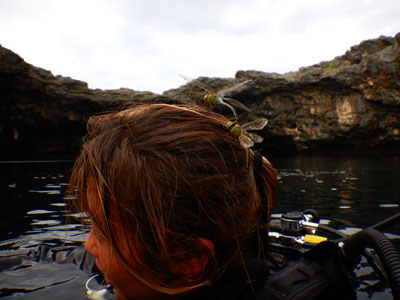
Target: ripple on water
<point x="52" y="186"/>
<point x="45" y="222"/>
<point x="344" y="206"/>
<point x="58" y="204"/>
<point x="39" y="212"/>
<point x="49" y="192"/>
<point x="388" y="205"/>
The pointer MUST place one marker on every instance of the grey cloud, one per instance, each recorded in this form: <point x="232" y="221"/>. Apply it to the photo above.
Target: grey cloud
<point x="365" y="15"/>
<point x="177" y="15"/>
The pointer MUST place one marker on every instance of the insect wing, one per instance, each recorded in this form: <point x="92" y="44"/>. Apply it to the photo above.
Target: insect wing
<point x="236" y="103"/>
<point x="246" y="141"/>
<point x="257" y="124"/>
<point x="232" y="88"/>
<point x="187" y="78"/>
<point x="255" y="137"/>
<point x="197" y="83"/>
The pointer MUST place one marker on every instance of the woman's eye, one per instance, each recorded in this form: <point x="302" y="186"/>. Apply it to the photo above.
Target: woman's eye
<point x="97" y="233"/>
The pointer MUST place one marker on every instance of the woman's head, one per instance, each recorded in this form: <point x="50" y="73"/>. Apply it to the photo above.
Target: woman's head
<point x="173" y="194"/>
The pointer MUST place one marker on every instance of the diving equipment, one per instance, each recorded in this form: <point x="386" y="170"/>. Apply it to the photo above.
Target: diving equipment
<point x="296" y="240"/>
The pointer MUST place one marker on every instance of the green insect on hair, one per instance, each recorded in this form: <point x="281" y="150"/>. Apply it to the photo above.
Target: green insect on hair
<point x="235" y="128"/>
<point x="209" y="98"/>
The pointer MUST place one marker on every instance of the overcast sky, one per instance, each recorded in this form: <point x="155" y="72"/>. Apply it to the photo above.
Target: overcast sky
<point x="146" y="44"/>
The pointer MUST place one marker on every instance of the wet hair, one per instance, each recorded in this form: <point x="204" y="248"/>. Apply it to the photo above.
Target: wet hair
<point x="168" y="175"/>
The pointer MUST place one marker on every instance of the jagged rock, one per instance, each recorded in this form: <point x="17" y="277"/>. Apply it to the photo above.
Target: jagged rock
<point x="348" y="105"/>
<point x="42" y="115"/>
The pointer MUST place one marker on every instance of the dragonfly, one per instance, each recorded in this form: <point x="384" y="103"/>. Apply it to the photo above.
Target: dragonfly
<point x="247" y="139"/>
<point x="213" y="98"/>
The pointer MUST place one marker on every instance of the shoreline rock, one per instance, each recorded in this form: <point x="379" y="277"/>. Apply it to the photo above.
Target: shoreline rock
<point x="349" y="105"/>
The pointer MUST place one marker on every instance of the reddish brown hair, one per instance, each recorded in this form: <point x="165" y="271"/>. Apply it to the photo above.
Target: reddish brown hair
<point x="169" y="175"/>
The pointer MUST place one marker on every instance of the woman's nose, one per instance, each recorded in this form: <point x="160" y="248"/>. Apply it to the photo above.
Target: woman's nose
<point x="91" y="243"/>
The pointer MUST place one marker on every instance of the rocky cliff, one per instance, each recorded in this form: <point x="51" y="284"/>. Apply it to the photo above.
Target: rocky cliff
<point x="349" y="105"/>
<point x="43" y="116"/>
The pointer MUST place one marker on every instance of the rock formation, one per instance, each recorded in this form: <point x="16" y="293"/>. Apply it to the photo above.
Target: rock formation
<point x="43" y="116"/>
<point x="349" y="105"/>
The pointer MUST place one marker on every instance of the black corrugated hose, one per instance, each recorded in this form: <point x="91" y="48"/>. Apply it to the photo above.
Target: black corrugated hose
<point x="387" y="253"/>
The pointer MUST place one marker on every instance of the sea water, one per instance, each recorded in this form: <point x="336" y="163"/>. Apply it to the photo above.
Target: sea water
<point x="349" y="193"/>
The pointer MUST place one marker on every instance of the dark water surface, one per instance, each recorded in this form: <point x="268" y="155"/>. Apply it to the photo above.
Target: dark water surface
<point x="34" y="214"/>
<point x="359" y="190"/>
<point x="348" y="192"/>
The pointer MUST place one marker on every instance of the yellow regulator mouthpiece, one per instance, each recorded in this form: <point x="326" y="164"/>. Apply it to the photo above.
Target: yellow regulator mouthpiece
<point x="314" y="239"/>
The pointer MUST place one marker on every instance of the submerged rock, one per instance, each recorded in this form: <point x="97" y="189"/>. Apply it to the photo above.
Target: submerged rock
<point x="350" y="104"/>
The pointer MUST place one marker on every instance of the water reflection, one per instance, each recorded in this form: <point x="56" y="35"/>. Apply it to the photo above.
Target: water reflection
<point x="361" y="190"/>
<point x="33" y="209"/>
<point x="349" y="194"/>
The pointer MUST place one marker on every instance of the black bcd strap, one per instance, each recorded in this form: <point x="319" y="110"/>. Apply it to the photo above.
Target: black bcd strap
<point x="319" y="274"/>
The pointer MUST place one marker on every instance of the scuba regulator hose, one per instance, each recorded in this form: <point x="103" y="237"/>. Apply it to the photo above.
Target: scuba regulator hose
<point x="355" y="245"/>
<point x="384" y="258"/>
